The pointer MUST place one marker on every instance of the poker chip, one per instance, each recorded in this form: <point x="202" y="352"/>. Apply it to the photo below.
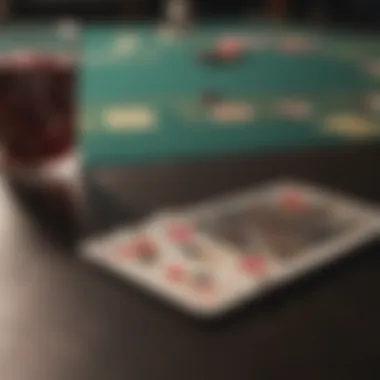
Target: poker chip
<point x="351" y="125"/>
<point x="230" y="47"/>
<point x="130" y="118"/>
<point x="294" y="108"/>
<point x="232" y="112"/>
<point x="227" y="50"/>
<point x="125" y="45"/>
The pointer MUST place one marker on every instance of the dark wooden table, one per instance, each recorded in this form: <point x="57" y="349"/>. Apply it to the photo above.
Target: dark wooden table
<point x="62" y="320"/>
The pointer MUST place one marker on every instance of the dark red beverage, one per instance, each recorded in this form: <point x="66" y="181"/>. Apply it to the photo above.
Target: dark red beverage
<point x="36" y="107"/>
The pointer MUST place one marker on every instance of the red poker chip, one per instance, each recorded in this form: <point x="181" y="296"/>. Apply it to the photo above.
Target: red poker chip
<point x="181" y="233"/>
<point x="254" y="264"/>
<point x="175" y="274"/>
<point x="230" y="47"/>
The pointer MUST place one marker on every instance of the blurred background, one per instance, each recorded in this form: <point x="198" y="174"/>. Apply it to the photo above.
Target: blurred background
<point x="363" y="13"/>
<point x="60" y="322"/>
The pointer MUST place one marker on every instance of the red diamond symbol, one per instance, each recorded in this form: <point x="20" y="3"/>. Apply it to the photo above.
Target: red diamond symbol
<point x="254" y="264"/>
<point x="175" y="273"/>
<point x="181" y="233"/>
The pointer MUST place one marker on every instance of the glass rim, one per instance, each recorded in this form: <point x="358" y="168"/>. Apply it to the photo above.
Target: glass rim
<point x="25" y="59"/>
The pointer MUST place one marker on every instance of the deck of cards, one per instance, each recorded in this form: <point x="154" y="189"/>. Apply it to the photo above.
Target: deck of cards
<point x="213" y="257"/>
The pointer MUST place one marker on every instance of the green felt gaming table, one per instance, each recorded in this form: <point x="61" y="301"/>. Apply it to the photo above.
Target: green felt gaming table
<point x="142" y="91"/>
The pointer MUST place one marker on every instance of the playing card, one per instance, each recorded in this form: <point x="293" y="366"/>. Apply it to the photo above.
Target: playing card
<point x="210" y="258"/>
<point x="289" y="220"/>
<point x="216" y="278"/>
<point x="159" y="257"/>
<point x="182" y="239"/>
<point x="124" y="246"/>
